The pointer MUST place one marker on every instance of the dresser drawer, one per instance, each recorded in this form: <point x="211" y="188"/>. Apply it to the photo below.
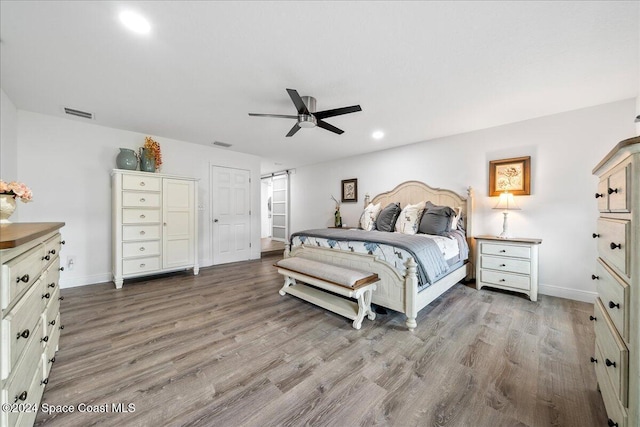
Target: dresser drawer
<point x="49" y="354"/>
<point x="51" y="277"/>
<point x="21" y="272"/>
<point x="50" y="313"/>
<point x="19" y="328"/>
<point x="138" y="249"/>
<point x="140" y="216"/>
<point x="51" y="249"/>
<point x="136" y="182"/>
<point x="614" y="351"/>
<point x="505" y="279"/>
<point x="614" y="408"/>
<point x="140" y="232"/>
<point x="619" y="190"/>
<point x="613" y="244"/>
<point x="25" y="387"/>
<point x="506" y="264"/>
<point x="506" y="250"/>
<point x="614" y="294"/>
<point x="132" y="199"/>
<point x="140" y="265"/>
<point x="602" y="196"/>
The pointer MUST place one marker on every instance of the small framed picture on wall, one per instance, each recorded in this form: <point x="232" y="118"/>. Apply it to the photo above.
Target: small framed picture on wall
<point x="512" y="175"/>
<point x="350" y="190"/>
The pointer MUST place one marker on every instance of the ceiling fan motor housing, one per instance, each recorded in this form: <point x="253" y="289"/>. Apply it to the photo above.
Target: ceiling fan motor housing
<point x="308" y="120"/>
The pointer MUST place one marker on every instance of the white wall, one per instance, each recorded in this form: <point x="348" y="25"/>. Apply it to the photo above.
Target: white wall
<point x="8" y="143"/>
<point x="561" y="209"/>
<point x="67" y="164"/>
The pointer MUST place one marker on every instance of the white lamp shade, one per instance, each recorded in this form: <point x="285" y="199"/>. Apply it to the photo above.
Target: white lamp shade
<point x="507" y="202"/>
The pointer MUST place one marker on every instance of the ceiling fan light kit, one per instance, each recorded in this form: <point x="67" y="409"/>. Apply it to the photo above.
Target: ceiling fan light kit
<point x="307" y="116"/>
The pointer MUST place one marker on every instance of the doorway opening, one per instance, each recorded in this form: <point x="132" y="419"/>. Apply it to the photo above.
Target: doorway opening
<point x="274" y="198"/>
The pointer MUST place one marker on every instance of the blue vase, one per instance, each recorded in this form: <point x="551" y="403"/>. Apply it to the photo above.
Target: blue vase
<point x="147" y="161"/>
<point x="126" y="159"/>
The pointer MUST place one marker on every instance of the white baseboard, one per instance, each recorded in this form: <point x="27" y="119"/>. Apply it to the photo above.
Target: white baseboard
<point x="568" y="293"/>
<point x="94" y="279"/>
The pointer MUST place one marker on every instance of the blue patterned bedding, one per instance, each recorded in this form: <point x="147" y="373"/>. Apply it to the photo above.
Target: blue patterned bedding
<point x="394" y="248"/>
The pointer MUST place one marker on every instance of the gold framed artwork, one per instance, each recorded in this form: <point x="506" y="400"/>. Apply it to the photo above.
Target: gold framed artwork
<point x="512" y="175"/>
<point x="350" y="190"/>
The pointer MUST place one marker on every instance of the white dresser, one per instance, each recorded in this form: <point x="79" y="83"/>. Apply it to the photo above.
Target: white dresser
<point x="616" y="273"/>
<point x="510" y="264"/>
<point x="30" y="329"/>
<point x="155" y="221"/>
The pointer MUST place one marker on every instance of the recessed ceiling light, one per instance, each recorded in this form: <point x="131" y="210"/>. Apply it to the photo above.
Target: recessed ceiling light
<point x="378" y="134"/>
<point x="135" y="22"/>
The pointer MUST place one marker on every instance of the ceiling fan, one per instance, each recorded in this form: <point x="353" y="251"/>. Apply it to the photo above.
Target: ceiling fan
<point x="307" y="115"/>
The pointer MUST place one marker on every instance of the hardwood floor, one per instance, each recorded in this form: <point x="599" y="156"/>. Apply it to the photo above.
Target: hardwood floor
<point x="224" y="349"/>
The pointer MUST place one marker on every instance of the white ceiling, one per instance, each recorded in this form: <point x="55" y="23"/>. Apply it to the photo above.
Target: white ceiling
<point x="420" y="70"/>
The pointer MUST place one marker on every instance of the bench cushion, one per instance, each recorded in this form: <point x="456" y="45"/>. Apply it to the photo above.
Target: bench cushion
<point x="336" y="274"/>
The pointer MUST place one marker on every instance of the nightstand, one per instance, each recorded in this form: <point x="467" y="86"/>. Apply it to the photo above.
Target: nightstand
<point x="510" y="264"/>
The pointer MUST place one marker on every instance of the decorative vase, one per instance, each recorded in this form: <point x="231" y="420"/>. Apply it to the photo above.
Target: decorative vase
<point x="126" y="159"/>
<point x="7" y="206"/>
<point x="147" y="161"/>
<point x="338" y="218"/>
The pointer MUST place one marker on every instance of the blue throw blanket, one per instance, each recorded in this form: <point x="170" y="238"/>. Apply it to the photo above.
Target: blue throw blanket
<point x="431" y="264"/>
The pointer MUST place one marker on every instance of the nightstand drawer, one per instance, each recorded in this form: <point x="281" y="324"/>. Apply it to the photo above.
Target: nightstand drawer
<point x="505" y="250"/>
<point x="614" y="294"/>
<point x="505" y="279"/>
<point x="619" y="190"/>
<point x="505" y="264"/>
<point x="21" y="273"/>
<point x="614" y="351"/>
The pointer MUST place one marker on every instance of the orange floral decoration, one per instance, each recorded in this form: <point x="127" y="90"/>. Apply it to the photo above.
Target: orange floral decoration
<point x="154" y="148"/>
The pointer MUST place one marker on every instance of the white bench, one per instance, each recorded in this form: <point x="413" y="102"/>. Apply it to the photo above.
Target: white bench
<point x="337" y="279"/>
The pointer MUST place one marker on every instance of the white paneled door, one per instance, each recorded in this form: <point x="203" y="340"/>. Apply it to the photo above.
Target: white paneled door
<point x="231" y="214"/>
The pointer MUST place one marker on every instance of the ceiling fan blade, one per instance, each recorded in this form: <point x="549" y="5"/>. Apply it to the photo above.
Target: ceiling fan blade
<point x="282" y="116"/>
<point x="337" y="112"/>
<point x="327" y="126"/>
<point x="297" y="101"/>
<point x="293" y="130"/>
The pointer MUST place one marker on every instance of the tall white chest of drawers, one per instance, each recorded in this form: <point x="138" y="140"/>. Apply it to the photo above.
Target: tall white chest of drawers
<point x="154" y="224"/>
<point x="616" y="315"/>
<point x="30" y="328"/>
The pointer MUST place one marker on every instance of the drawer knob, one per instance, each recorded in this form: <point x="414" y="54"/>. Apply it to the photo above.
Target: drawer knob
<point x="593" y="318"/>
<point x="141" y="248"/>
<point x="52" y="251"/>
<point x="52" y="360"/>
<point x="612" y="423"/>
<point x="609" y="363"/>
<point x="595" y="235"/>
<point x="503" y="265"/>
<point x="44" y="381"/>
<point x="142" y="265"/>
<point x="143" y="216"/>
<point x="501" y="280"/>
<point x="24" y="279"/>
<point x="61" y="327"/>
<point x="53" y="322"/>
<point x="613" y="305"/>
<point x="142" y="233"/>
<point x="24" y="334"/>
<point x="23" y="397"/>
<point x="47" y="295"/>
<point x="598" y="195"/>
<point x="503" y="250"/>
<point x="45" y="339"/>
<point x="594" y="360"/>
<point x="61" y="269"/>
<point x="52" y="284"/>
<point x="47" y="257"/>
<point x="61" y="298"/>
<point x="594" y="277"/>
<point x="611" y="190"/>
<point x="63" y="242"/>
<point x="141" y="183"/>
<point x="142" y="200"/>
<point x="614" y="246"/>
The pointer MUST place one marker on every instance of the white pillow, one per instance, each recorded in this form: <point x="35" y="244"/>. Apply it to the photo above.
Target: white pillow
<point x="368" y="217"/>
<point x="409" y="218"/>
<point x="455" y="219"/>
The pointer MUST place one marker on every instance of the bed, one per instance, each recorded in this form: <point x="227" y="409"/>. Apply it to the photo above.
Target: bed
<point x="402" y="285"/>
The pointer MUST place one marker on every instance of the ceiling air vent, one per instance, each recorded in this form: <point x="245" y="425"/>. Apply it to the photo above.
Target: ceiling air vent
<point x="221" y="144"/>
<point x="78" y="113"/>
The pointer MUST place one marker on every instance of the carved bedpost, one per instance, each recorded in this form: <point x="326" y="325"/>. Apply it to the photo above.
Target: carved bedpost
<point x="411" y="293"/>
<point x="287" y="250"/>
<point x="471" y="273"/>
<point x="366" y="200"/>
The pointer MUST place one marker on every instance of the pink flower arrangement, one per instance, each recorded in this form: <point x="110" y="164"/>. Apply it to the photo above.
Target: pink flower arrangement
<point x="17" y="190"/>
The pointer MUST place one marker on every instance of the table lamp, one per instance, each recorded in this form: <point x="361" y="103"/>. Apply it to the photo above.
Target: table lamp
<point x="506" y="203"/>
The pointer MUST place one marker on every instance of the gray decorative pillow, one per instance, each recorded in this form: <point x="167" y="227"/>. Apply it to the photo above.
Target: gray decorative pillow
<point x="436" y="220"/>
<point x="387" y="218"/>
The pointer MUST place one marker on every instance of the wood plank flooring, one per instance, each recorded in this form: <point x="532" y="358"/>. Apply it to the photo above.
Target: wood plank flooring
<point x="224" y="349"/>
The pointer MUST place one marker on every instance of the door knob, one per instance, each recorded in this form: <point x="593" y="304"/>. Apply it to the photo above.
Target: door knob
<point x="215" y="220"/>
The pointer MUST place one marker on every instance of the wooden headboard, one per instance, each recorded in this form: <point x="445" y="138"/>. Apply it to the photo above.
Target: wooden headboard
<point x="412" y="192"/>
